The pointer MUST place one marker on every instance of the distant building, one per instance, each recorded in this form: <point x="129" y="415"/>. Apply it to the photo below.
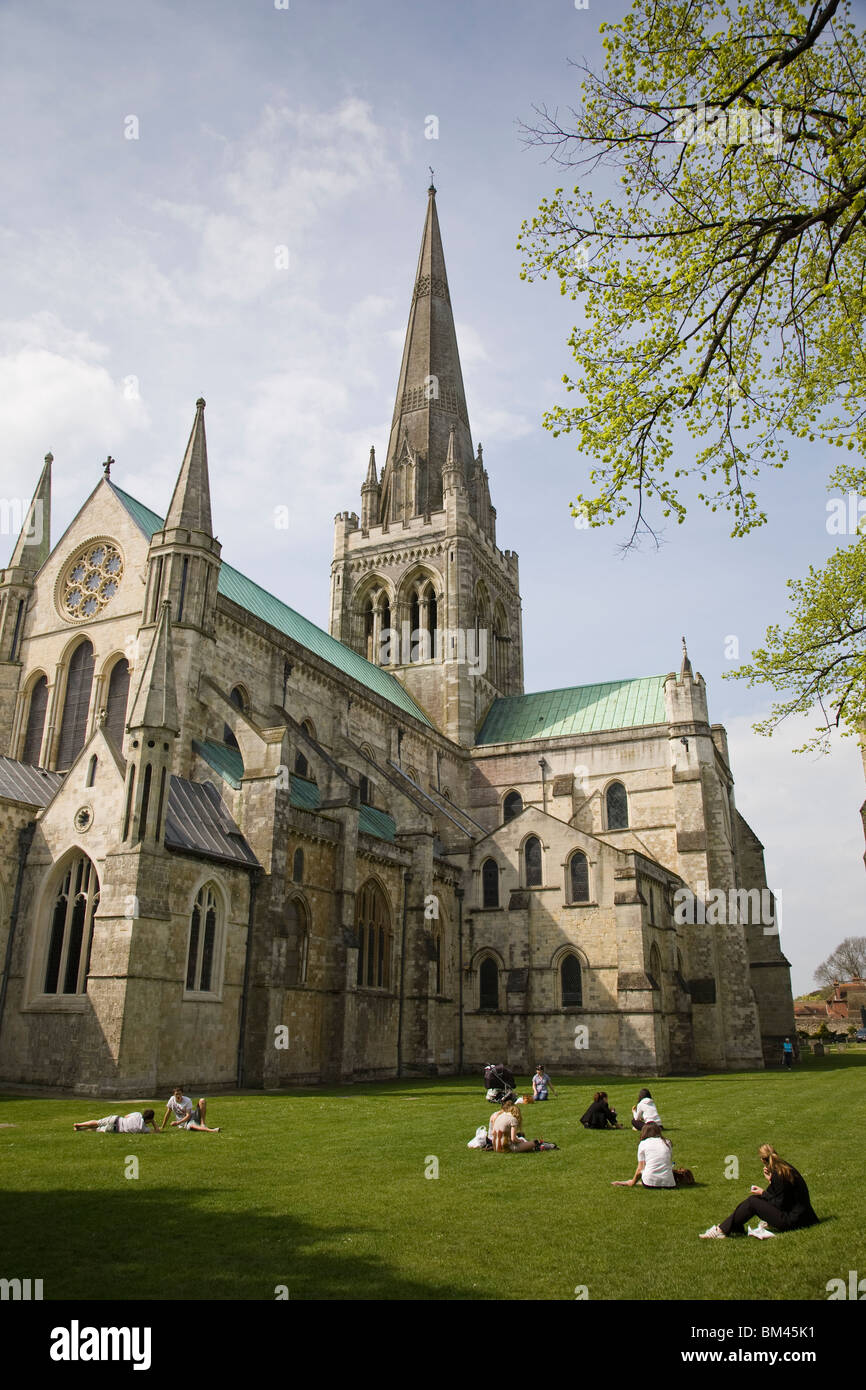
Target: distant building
<point x="843" y="1007"/>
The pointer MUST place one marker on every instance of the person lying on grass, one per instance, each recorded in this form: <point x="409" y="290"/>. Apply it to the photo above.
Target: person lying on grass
<point x="186" y="1117"/>
<point x="655" y="1166"/>
<point x="136" y="1122"/>
<point x="784" y="1203"/>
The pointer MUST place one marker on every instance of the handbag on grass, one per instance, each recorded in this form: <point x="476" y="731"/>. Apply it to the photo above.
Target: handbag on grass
<point x="684" y="1177"/>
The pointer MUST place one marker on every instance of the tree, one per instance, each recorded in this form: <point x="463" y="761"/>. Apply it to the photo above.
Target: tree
<point x="847" y="962"/>
<point x="723" y="288"/>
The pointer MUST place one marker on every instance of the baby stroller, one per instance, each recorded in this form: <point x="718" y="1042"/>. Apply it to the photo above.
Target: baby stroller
<point x="500" y="1082"/>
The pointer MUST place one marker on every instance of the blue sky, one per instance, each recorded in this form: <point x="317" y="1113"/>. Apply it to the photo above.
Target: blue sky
<point x="141" y="273"/>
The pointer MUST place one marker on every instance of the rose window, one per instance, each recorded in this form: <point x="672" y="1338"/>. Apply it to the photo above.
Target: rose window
<point x="92" y="580"/>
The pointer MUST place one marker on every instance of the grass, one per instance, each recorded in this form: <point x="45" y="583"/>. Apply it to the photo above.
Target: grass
<point x="324" y="1191"/>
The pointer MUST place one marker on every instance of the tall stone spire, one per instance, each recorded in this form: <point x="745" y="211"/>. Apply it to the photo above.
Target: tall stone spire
<point x="155" y="703"/>
<point x="190" y="503"/>
<point x="430" y="395"/>
<point x="34" y="542"/>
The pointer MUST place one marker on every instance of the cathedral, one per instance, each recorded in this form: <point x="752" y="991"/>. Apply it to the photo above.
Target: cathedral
<point x="238" y="850"/>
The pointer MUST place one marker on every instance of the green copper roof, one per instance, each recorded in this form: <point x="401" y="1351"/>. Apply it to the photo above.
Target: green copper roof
<point x="226" y="762"/>
<point x="304" y="793"/>
<point x="256" y="600"/>
<point x="582" y="709"/>
<point x="378" y="823"/>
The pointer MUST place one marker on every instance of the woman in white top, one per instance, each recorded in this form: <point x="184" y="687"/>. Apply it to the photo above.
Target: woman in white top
<point x="655" y="1164"/>
<point x="645" y="1112"/>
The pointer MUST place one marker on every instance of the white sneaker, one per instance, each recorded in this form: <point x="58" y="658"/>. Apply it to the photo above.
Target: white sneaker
<point x="714" y="1233"/>
<point x="761" y="1232"/>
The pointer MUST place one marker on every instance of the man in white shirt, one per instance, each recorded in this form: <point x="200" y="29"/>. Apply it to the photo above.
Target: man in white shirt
<point x="136" y="1122"/>
<point x="178" y="1105"/>
<point x="186" y="1117"/>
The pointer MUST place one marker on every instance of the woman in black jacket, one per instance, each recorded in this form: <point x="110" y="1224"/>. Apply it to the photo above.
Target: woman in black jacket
<point x="599" y="1115"/>
<point x="783" y="1204"/>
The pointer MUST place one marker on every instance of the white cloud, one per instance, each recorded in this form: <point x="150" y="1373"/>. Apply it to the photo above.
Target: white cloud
<point x="62" y="403"/>
<point x="499" y="424"/>
<point x="471" y="345"/>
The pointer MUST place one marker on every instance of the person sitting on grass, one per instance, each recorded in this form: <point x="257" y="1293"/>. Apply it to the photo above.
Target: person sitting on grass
<point x="655" y="1164"/>
<point x="784" y="1203"/>
<point x="506" y="1132"/>
<point x="189" y="1118"/>
<point x="541" y="1083"/>
<point x="645" y="1112"/>
<point x="600" y="1115"/>
<point x="136" y="1122"/>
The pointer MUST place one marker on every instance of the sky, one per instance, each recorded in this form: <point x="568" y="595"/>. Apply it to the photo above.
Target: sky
<point x="224" y="200"/>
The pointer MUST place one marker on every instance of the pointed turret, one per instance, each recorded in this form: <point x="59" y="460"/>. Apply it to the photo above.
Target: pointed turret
<point x="190" y="503"/>
<point x="430" y="395"/>
<point x="183" y="565"/>
<point x="32" y="549"/>
<point x="155" y="703"/>
<point x="34" y="542"/>
<point x="453" y="477"/>
<point x="153" y="726"/>
<point x="686" y="665"/>
<point x="370" y="494"/>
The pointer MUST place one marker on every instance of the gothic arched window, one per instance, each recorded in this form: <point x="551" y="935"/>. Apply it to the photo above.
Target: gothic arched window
<point x="511" y="807"/>
<point x="437" y="957"/>
<point x="616" y="802"/>
<point x="490" y="883"/>
<point x="76" y="705"/>
<point x="302" y="765"/>
<point x="570" y="981"/>
<point x="205" y="940"/>
<point x="488" y="984"/>
<point x="368" y="626"/>
<point x="35" y="722"/>
<point x="578" y="875"/>
<point x="116" y="700"/>
<point x="298" y="866"/>
<point x="239" y="700"/>
<point x="373" y="926"/>
<point x="655" y="967"/>
<point x="298" y="932"/>
<point x="532" y="862"/>
<point x="72" y="929"/>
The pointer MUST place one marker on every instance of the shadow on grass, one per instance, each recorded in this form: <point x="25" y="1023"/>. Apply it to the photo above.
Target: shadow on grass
<point x="833" y="1061"/>
<point x="141" y="1243"/>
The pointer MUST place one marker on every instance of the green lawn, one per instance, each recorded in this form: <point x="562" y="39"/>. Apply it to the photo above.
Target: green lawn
<point x="324" y="1191"/>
